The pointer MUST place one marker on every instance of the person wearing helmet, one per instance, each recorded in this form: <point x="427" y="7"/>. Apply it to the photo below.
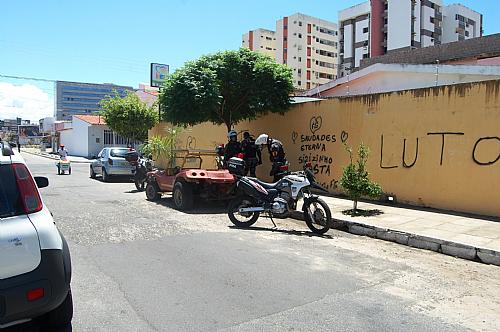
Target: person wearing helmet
<point x="251" y="154"/>
<point x="233" y="147"/>
<point x="276" y="153"/>
<point x="62" y="152"/>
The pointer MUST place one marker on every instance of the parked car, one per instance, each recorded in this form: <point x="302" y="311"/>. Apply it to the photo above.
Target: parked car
<point x="35" y="263"/>
<point x="110" y="162"/>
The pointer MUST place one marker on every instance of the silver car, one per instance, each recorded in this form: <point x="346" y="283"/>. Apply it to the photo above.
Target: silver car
<point x="111" y="161"/>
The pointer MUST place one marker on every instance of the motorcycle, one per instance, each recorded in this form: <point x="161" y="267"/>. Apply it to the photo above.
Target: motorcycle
<point x="142" y="167"/>
<point x="278" y="199"/>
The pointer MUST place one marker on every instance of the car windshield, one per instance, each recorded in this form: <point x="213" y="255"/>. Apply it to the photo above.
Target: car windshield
<point x="121" y="153"/>
<point x="10" y="200"/>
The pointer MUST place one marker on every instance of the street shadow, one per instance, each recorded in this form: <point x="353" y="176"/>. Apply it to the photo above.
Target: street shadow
<point x="362" y="213"/>
<point x="200" y="206"/>
<point x="282" y="231"/>
<point x="34" y="327"/>
<point x="115" y="179"/>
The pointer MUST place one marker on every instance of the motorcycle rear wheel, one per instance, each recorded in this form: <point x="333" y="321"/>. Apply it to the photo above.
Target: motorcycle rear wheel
<point x="249" y="217"/>
<point x="320" y="224"/>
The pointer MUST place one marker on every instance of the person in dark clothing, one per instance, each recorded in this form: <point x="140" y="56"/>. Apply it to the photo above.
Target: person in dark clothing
<point x="233" y="147"/>
<point x="276" y="154"/>
<point x="251" y="154"/>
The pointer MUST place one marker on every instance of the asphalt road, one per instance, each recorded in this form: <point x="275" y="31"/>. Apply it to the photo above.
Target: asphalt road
<point x="143" y="266"/>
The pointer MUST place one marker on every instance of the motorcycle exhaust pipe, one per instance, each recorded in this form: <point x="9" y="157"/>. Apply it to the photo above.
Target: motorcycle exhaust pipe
<point x="251" y="209"/>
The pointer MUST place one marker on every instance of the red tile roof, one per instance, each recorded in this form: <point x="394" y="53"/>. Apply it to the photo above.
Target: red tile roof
<point x="92" y="119"/>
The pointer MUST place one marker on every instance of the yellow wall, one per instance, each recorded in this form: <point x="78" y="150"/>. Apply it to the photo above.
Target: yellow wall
<point x="465" y="113"/>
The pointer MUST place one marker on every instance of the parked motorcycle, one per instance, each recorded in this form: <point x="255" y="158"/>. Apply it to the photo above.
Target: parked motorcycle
<point x="142" y="167"/>
<point x="277" y="200"/>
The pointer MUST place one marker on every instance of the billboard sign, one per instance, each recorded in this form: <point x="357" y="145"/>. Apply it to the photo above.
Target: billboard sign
<point x="28" y="131"/>
<point x="159" y="73"/>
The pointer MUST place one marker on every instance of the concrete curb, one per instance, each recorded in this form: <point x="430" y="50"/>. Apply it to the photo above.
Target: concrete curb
<point x="51" y="156"/>
<point x="450" y="248"/>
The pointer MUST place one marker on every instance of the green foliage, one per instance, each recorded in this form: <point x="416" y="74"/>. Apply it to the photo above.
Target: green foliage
<point x="163" y="146"/>
<point x="226" y="88"/>
<point x="129" y="116"/>
<point x="355" y="178"/>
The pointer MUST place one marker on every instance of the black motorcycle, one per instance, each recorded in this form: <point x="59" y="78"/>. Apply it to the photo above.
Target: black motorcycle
<point x="278" y="199"/>
<point x="142" y="167"/>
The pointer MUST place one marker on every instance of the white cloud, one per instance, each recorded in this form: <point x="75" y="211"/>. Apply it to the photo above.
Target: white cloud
<point x="26" y="101"/>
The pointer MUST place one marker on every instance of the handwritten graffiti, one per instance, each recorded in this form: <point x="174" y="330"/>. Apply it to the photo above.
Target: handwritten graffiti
<point x="330" y="185"/>
<point x="315" y="124"/>
<point x="494" y="159"/>
<point x="344" y="136"/>
<point x="191" y="143"/>
<point x="484" y="163"/>
<point x="294" y="136"/>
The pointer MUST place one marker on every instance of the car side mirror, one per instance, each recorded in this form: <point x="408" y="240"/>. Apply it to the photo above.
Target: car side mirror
<point x="41" y="181"/>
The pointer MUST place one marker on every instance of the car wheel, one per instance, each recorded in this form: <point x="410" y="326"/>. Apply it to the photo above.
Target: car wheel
<point x="60" y="316"/>
<point x="92" y="172"/>
<point x="183" y="196"/>
<point x="105" y="175"/>
<point x="152" y="191"/>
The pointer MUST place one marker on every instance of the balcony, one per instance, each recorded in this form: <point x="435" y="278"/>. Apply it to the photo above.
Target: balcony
<point x="438" y="30"/>
<point x="439" y="16"/>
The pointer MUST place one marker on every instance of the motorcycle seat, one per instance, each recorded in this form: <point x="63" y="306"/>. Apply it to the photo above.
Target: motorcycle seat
<point x="266" y="185"/>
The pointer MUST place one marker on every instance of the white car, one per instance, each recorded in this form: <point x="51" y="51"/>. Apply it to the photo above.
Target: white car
<point x="35" y="263"/>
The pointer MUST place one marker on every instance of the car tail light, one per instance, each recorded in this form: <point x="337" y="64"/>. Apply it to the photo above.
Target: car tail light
<point x="110" y="161"/>
<point x="35" y="294"/>
<point x="30" y="197"/>
<point x="284" y="168"/>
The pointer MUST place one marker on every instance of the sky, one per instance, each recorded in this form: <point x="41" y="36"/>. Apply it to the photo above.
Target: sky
<point x="114" y="41"/>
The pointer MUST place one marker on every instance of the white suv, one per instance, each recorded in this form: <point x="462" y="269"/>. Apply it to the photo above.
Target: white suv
<point x="35" y="264"/>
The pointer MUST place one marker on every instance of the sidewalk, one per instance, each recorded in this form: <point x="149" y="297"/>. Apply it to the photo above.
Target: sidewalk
<point x="459" y="236"/>
<point x="37" y="152"/>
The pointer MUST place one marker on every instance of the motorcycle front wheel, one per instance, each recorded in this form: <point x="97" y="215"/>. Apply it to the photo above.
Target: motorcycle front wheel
<point x="242" y="219"/>
<point x="140" y="184"/>
<point x="317" y="215"/>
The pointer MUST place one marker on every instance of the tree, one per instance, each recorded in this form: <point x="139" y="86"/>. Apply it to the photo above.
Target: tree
<point x="129" y="116"/>
<point x="226" y="88"/>
<point x="355" y="178"/>
<point x="163" y="146"/>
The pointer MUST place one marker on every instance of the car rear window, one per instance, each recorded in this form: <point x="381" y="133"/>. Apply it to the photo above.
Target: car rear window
<point x="10" y="199"/>
<point x="122" y="153"/>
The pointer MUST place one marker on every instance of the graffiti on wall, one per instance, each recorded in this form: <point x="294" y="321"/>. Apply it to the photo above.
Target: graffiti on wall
<point x="409" y="160"/>
<point x="315" y="147"/>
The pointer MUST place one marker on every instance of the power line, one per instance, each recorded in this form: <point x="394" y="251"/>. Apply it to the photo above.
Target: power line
<point x="28" y="78"/>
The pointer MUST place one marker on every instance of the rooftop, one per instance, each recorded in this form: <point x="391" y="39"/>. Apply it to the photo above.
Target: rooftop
<point x="92" y="119"/>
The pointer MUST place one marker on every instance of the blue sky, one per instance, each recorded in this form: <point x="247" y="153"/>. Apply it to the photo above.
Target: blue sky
<point x="114" y="41"/>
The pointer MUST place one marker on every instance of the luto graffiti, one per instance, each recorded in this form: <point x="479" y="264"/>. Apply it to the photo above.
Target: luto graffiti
<point x="409" y="160"/>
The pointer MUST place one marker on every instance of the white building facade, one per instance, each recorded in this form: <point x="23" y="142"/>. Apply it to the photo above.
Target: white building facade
<point x="260" y="40"/>
<point x="310" y="47"/>
<point x="461" y="23"/>
<point x="377" y="27"/>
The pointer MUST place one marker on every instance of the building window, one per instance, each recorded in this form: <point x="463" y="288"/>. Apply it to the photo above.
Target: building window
<point x="108" y="137"/>
<point x="300" y="59"/>
<point x="466" y="33"/>
<point x="299" y="82"/>
<point x="365" y="30"/>
<point x="300" y="23"/>
<point x="98" y="140"/>
<point x="300" y="35"/>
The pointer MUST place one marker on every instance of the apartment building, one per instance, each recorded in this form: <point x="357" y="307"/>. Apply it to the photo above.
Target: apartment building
<point x="460" y="23"/>
<point x="309" y="46"/>
<point x="354" y="23"/>
<point x="74" y="98"/>
<point x="377" y="27"/>
<point x="260" y="40"/>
